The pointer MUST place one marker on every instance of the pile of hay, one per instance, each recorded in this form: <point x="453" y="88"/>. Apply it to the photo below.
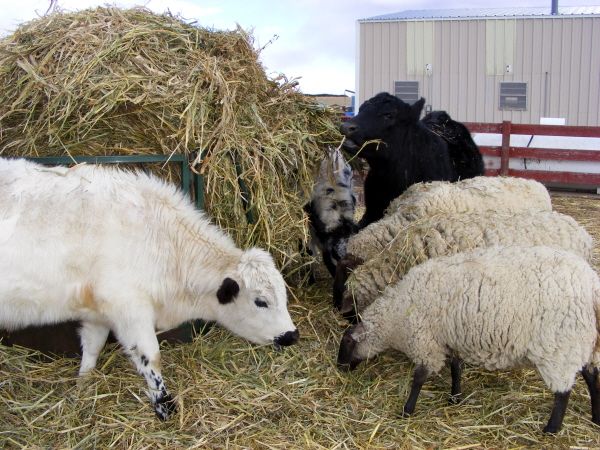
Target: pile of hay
<point x="109" y="81"/>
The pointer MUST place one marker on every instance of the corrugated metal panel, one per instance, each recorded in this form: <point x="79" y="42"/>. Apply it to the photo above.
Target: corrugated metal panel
<point x="592" y="87"/>
<point x="500" y="40"/>
<point x="419" y="47"/>
<point x="463" y="13"/>
<point x="378" y="73"/>
<point x="558" y="59"/>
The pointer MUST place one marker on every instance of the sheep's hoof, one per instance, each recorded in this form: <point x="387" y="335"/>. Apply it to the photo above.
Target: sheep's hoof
<point x="552" y="429"/>
<point x="165" y="407"/>
<point x="404" y="414"/>
<point x="455" y="399"/>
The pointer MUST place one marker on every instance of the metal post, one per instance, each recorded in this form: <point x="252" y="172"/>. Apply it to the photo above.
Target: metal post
<point x="246" y="199"/>
<point x="185" y="176"/>
<point x="199" y="190"/>
<point x="504" y="151"/>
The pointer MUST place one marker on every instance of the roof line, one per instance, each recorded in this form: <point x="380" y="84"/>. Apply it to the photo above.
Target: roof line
<point x="483" y="13"/>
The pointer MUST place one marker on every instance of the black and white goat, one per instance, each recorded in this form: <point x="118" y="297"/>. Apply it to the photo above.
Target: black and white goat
<point x="331" y="209"/>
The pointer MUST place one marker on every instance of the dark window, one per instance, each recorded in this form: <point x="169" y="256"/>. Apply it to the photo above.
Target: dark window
<point x="407" y="91"/>
<point x="513" y="96"/>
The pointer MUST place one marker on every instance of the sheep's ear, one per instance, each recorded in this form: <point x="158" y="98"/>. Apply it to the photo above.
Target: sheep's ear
<point x="416" y="108"/>
<point x="228" y="291"/>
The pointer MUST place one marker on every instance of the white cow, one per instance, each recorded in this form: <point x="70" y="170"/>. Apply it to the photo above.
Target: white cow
<point x="126" y="252"/>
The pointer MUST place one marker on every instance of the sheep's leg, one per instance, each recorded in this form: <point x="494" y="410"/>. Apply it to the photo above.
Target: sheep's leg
<point x="561" y="399"/>
<point x="419" y="377"/>
<point x="329" y="262"/>
<point x="139" y="341"/>
<point x="590" y="375"/>
<point x="456" y="367"/>
<point x="93" y="337"/>
<point x="343" y="270"/>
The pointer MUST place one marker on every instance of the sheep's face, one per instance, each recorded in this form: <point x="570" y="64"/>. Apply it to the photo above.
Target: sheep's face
<point x="378" y="120"/>
<point x="349" y="354"/>
<point x="361" y="341"/>
<point x="253" y="304"/>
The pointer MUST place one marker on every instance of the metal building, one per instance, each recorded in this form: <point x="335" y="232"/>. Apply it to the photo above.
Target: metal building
<point x="487" y="65"/>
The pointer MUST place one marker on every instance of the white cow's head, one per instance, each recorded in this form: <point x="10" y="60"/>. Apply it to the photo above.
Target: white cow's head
<point x="254" y="302"/>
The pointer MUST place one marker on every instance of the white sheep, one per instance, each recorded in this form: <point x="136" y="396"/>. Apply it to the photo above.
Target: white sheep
<point x="498" y="308"/>
<point x="447" y="234"/>
<point x="126" y="252"/>
<point x="479" y="194"/>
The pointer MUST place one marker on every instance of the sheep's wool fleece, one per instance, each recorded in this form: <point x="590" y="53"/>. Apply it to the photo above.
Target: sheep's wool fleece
<point x="449" y="234"/>
<point x="479" y="194"/>
<point x="498" y="307"/>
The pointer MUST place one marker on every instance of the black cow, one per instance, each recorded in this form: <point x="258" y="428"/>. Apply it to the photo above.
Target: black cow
<point x="399" y="149"/>
<point x="464" y="153"/>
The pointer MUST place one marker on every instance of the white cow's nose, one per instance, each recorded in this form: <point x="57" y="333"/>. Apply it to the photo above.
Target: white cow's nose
<point x="287" y="338"/>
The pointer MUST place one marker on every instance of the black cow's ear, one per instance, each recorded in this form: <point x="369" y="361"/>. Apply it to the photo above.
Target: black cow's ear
<point x="416" y="108"/>
<point x="228" y="290"/>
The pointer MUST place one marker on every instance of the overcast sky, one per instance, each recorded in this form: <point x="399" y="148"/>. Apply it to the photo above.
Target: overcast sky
<point x="315" y="38"/>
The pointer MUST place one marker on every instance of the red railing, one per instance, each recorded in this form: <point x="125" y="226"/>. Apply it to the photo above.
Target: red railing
<point x="507" y="151"/>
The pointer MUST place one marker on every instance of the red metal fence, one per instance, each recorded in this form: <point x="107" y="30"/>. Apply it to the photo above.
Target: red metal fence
<point x="507" y="151"/>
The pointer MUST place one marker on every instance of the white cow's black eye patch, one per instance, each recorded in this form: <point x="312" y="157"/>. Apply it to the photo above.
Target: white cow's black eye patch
<point x="261" y="303"/>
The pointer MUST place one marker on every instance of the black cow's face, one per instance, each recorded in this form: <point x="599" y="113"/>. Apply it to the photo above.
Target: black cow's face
<point x="371" y="132"/>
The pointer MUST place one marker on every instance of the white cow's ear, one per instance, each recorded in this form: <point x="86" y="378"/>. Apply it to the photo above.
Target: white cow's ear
<point x="228" y="290"/>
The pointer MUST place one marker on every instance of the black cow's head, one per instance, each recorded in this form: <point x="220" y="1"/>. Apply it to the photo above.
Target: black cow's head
<point x="442" y="124"/>
<point x="437" y="117"/>
<point x="378" y="119"/>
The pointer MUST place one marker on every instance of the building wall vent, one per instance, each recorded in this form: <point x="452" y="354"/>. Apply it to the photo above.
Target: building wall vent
<point x="513" y="96"/>
<point x="407" y="91"/>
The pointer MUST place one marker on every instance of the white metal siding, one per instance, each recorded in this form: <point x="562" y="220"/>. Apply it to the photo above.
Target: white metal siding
<point x="558" y="58"/>
<point x="419" y="47"/>
<point x="500" y="42"/>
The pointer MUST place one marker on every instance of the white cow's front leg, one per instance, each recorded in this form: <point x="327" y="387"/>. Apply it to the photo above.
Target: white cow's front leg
<point x="93" y="337"/>
<point x="139" y="342"/>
